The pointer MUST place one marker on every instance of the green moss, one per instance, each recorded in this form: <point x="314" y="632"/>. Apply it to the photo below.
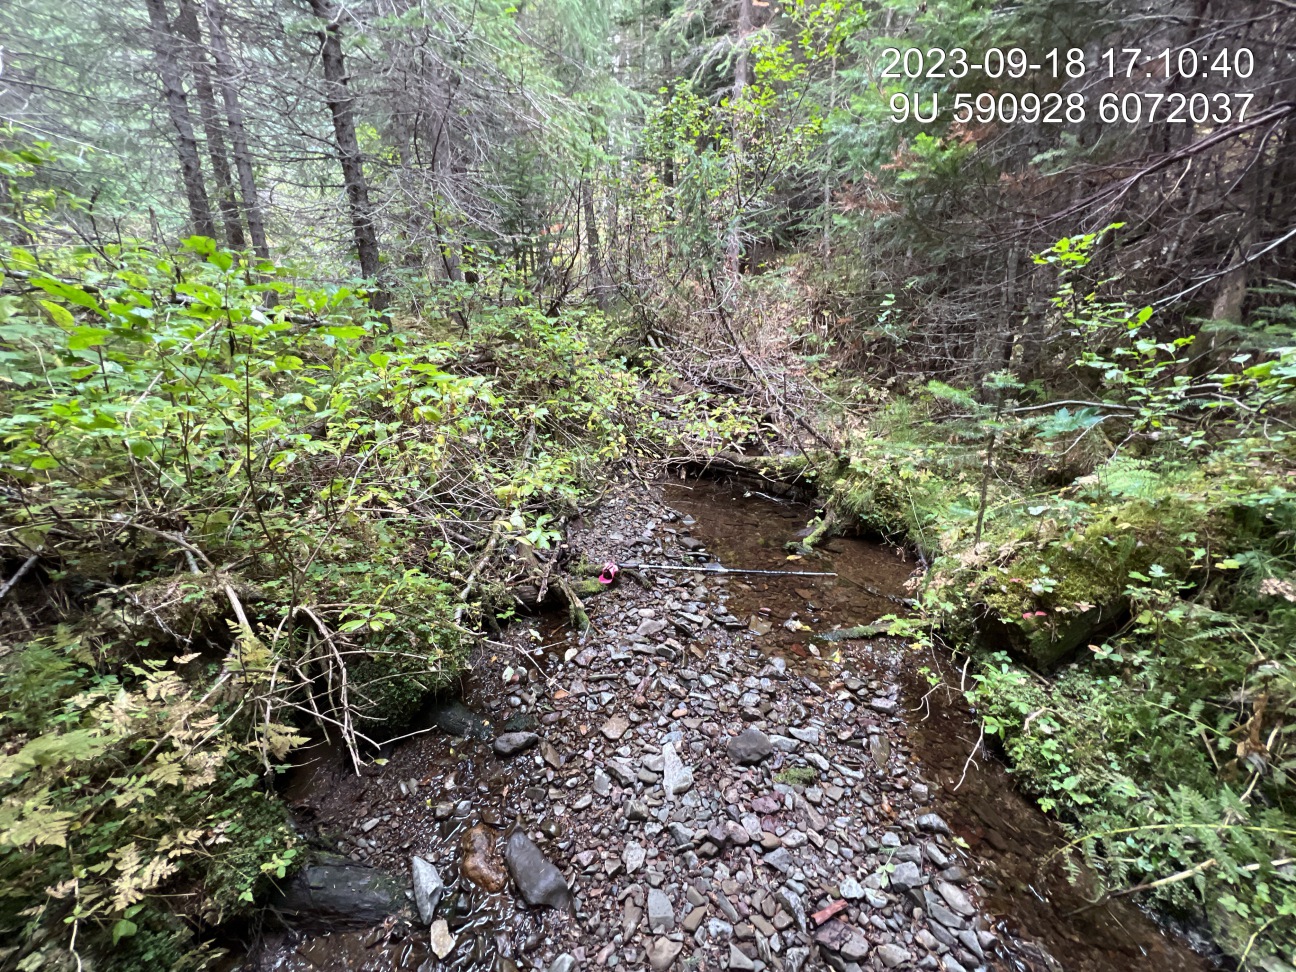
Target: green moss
<point x="388" y="690"/>
<point x="797" y="776"/>
<point x="1156" y="563"/>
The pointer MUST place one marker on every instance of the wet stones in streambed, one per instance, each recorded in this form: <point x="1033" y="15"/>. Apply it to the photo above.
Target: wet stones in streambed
<point x="455" y="718"/>
<point x="539" y="882"/>
<point x="428" y="888"/>
<point x="442" y="941"/>
<point x="512" y="743"/>
<point x="337" y="891"/>
<point x="480" y="862"/>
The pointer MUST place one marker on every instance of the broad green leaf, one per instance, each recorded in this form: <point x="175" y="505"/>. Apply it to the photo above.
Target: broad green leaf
<point x="88" y="337"/>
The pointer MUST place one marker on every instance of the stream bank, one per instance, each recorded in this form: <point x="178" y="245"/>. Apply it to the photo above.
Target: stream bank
<point x="830" y="834"/>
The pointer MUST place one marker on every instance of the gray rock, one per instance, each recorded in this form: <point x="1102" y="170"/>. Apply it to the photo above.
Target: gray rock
<point x="428" y="888"/>
<point x="955" y="898"/>
<point x="661" y="912"/>
<point x="794" y="839"/>
<point x="338" y="891"/>
<point x="615" y="727"/>
<point x="458" y="720"/>
<point x="737" y="960"/>
<point x="909" y="852"/>
<point x="622" y="772"/>
<point x="539" y="881"/>
<point x="794" y="959"/>
<point x="935" y="854"/>
<point x="969" y="940"/>
<point x="955" y="875"/>
<point x="856" y="948"/>
<point x="785" y="744"/>
<point x="633" y="856"/>
<point x="602" y="783"/>
<point x="933" y="823"/>
<point x="939" y="913"/>
<point x="790" y="900"/>
<point x="693" y="920"/>
<point x="886" y="707"/>
<point x="676" y="777"/>
<point x="906" y="876"/>
<point x="512" y="743"/>
<point x="682" y="836"/>
<point x="749" y="747"/>
<point x="563" y="963"/>
<point x="810" y="736"/>
<point x="850" y="889"/>
<point x="893" y="955"/>
<point x="780" y="860"/>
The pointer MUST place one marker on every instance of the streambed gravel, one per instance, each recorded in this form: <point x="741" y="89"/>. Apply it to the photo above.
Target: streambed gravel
<point x="712" y="802"/>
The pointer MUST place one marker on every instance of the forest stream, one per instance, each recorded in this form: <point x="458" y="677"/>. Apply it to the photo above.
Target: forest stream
<point x="856" y="824"/>
<point x="344" y="342"/>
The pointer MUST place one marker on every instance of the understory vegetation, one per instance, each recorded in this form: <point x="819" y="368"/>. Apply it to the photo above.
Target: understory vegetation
<point x="1120" y="574"/>
<point x="320" y="320"/>
<point x="241" y="506"/>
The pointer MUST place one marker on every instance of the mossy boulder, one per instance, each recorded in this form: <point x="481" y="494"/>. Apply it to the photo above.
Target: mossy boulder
<point x="1047" y="589"/>
<point x="1046" y="642"/>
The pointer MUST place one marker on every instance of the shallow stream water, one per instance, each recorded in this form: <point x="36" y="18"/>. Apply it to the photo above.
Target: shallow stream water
<point x="1016" y="843"/>
<point x="445" y="784"/>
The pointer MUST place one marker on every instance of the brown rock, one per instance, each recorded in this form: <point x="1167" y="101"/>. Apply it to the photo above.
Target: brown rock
<point x="481" y="862"/>
<point x="615" y="727"/>
<point x="834" y="909"/>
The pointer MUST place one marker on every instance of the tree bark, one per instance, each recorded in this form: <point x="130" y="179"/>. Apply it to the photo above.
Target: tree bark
<point x="338" y="97"/>
<point x="593" y="244"/>
<point x="186" y="25"/>
<point x="733" y="245"/>
<point x="164" y="47"/>
<point x="238" y="134"/>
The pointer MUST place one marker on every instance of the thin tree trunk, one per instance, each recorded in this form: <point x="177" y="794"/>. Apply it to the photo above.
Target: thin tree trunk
<point x="238" y="133"/>
<point x="186" y="25"/>
<point x="164" y="47"/>
<point x="592" y="243"/>
<point x="733" y="245"/>
<point x="338" y="97"/>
